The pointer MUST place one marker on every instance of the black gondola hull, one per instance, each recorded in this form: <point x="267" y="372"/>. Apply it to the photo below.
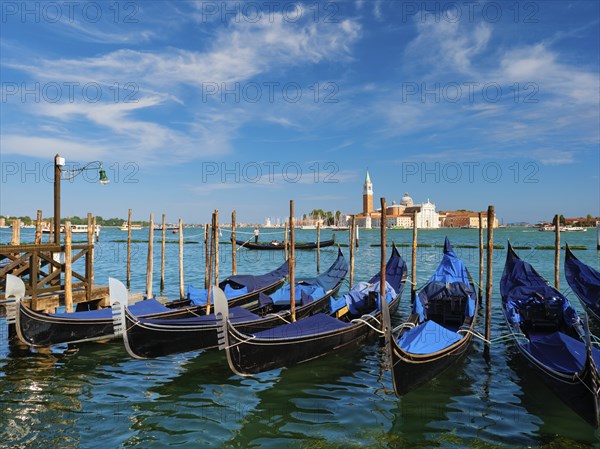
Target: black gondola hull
<point x="39" y="329"/>
<point x="575" y="390"/>
<point x="247" y="356"/>
<point x="271" y="247"/>
<point x="144" y="340"/>
<point x="410" y="371"/>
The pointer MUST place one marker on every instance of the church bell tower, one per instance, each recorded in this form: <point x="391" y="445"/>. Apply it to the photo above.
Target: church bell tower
<point x="367" y="195"/>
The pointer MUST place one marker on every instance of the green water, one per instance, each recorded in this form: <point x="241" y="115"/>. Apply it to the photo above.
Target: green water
<point x="100" y="397"/>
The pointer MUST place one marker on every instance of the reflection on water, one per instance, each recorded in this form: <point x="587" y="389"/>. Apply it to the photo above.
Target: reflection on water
<point x="99" y="397"/>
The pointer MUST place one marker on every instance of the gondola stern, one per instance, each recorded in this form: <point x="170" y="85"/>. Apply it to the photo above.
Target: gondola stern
<point x="119" y="297"/>
<point x="222" y="315"/>
<point x="592" y="382"/>
<point x="15" y="288"/>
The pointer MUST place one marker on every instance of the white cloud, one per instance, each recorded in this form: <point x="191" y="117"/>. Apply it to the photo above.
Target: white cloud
<point x="239" y="51"/>
<point x="448" y="46"/>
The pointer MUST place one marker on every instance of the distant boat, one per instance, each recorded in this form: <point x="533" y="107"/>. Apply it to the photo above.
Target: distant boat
<point x="134" y="227"/>
<point x="169" y="227"/>
<point x="275" y="245"/>
<point x="563" y="229"/>
<point x="75" y="229"/>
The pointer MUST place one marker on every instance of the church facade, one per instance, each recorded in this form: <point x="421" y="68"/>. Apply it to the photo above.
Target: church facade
<point x="397" y="215"/>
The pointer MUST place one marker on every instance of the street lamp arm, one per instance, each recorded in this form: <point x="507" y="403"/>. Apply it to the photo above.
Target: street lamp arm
<point x="94" y="165"/>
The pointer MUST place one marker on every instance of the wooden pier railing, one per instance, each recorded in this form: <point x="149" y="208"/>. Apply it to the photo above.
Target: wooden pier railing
<point x="44" y="273"/>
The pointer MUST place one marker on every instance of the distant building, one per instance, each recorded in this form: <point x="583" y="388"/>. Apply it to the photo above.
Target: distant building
<point x="464" y="219"/>
<point x="397" y="215"/>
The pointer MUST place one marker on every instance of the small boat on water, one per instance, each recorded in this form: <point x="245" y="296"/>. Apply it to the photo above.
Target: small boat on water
<point x="551" y="337"/>
<point x="75" y="229"/>
<point x="563" y="229"/>
<point x="154" y="337"/>
<point x="134" y="227"/>
<point x="350" y="320"/>
<point x="585" y="282"/>
<point x="276" y="245"/>
<point x="438" y="330"/>
<point x="43" y="329"/>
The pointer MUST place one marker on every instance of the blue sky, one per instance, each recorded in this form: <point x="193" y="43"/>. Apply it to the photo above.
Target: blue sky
<point x="244" y="105"/>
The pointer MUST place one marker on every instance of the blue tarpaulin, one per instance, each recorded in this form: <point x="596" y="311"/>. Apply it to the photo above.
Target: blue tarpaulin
<point x="356" y="299"/>
<point x="304" y="294"/>
<point x="145" y="307"/>
<point x="561" y="352"/>
<point x="308" y="290"/>
<point x="584" y="280"/>
<point x="236" y="315"/>
<point x="427" y="338"/>
<point x="253" y="283"/>
<point x="198" y="296"/>
<point x="451" y="279"/>
<point x="311" y="325"/>
<point x="523" y="289"/>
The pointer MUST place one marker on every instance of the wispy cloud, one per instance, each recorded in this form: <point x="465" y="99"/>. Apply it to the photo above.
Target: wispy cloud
<point x="445" y="46"/>
<point x="241" y="51"/>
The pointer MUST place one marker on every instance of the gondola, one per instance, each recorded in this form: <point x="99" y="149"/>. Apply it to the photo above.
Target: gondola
<point x="281" y="245"/>
<point x="43" y="329"/>
<point x="438" y="330"/>
<point x="585" y="282"/>
<point x="352" y="319"/>
<point x="150" y="337"/>
<point x="551" y="337"/>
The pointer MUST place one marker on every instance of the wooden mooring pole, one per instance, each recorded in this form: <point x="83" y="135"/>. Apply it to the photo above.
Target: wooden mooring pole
<point x="128" y="275"/>
<point x="413" y="270"/>
<point x="557" y="251"/>
<point x="38" y="228"/>
<point x="211" y="259"/>
<point x="91" y="230"/>
<point x="16" y="232"/>
<point x="383" y="248"/>
<point x="68" y="268"/>
<point x="181" y="279"/>
<point x="216" y="240"/>
<point x="291" y="264"/>
<point x="233" y="245"/>
<point x="163" y="242"/>
<point x="206" y="257"/>
<point x="352" y="249"/>
<point x="150" y="259"/>
<point x="319" y="246"/>
<point x="489" y="277"/>
<point x="480" y="296"/>
<point x="285" y="242"/>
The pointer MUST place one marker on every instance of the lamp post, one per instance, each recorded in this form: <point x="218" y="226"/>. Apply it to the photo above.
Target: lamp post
<point x="59" y="162"/>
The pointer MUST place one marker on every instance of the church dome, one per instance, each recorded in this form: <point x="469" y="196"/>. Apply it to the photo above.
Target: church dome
<point x="406" y="200"/>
